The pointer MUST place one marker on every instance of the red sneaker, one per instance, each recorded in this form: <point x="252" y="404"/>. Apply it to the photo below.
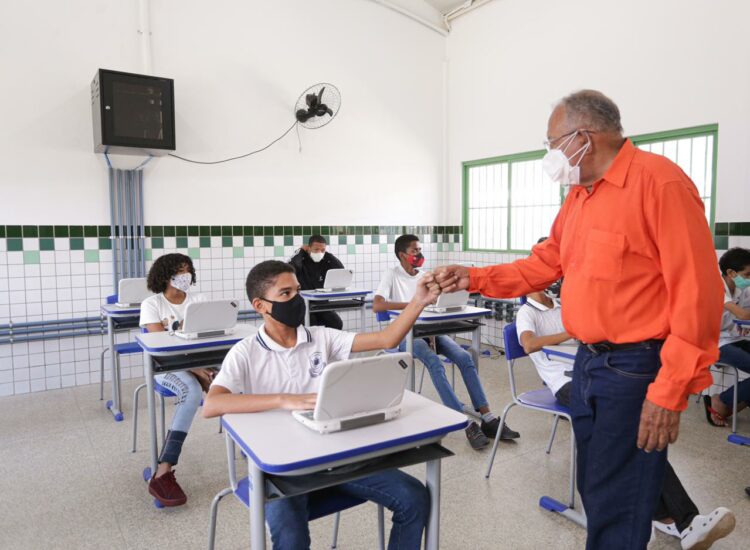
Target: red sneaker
<point x="166" y="490"/>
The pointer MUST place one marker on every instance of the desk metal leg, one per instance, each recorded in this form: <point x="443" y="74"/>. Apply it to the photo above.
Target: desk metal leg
<point x="307" y="312"/>
<point x="476" y="343"/>
<point x="410" y="351"/>
<point x="363" y="316"/>
<point x="257" y="508"/>
<point x="114" y="405"/>
<point x="432" y="536"/>
<point x="148" y="373"/>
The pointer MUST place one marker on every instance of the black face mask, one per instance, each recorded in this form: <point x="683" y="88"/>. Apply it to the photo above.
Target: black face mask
<point x="290" y="313"/>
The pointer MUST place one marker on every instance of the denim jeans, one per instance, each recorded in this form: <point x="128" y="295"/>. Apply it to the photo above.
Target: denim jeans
<point x="402" y="494"/>
<point x="619" y="483"/>
<point x="736" y="354"/>
<point x="674" y="502"/>
<point x="436" y="368"/>
<point x="189" y="394"/>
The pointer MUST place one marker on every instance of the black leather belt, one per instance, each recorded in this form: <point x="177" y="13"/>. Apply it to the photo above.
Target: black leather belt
<point x="603" y="347"/>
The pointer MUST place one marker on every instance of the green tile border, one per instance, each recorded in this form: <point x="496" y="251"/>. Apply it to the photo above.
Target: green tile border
<point x="334" y="234"/>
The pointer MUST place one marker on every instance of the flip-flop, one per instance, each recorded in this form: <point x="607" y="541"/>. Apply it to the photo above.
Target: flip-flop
<point x="710" y="412"/>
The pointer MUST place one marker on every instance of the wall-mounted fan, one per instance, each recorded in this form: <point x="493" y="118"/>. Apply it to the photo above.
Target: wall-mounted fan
<point x="317" y="106"/>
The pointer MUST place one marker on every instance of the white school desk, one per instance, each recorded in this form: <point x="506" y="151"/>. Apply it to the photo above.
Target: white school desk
<point x="436" y="324"/>
<point x="301" y="451"/>
<point x="564" y="354"/>
<point x="344" y="300"/>
<point x="128" y="318"/>
<point x="182" y="354"/>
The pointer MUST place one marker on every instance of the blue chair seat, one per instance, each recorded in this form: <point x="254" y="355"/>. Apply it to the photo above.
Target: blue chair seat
<point x="322" y="503"/>
<point x="542" y="399"/>
<point x="161" y="390"/>
<point x="127" y="348"/>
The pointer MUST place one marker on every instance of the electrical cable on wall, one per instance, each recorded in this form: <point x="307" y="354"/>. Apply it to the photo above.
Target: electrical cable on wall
<point x="313" y="110"/>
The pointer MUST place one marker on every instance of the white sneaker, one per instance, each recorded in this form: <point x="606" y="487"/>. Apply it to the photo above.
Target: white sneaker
<point x="667" y="528"/>
<point x="705" y="530"/>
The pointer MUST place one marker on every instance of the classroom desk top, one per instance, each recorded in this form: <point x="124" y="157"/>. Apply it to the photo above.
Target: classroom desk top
<point x="348" y="293"/>
<point x="564" y="353"/>
<point x="469" y="312"/>
<point x="164" y="343"/>
<point x="113" y="310"/>
<point x="307" y="450"/>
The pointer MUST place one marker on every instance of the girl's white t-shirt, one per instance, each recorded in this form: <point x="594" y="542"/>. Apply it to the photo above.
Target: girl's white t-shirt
<point x="157" y="309"/>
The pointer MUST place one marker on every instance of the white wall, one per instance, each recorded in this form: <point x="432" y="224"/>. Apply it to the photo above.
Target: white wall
<point x="239" y="66"/>
<point x="668" y="64"/>
<point x="49" y="52"/>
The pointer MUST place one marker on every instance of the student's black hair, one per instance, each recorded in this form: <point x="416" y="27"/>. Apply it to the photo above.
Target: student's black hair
<point x="164" y="268"/>
<point x="736" y="259"/>
<point x="316" y="239"/>
<point x="263" y="276"/>
<point x="541" y="240"/>
<point x="403" y="243"/>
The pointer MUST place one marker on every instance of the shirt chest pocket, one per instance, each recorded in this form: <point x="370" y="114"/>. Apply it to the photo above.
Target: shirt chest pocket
<point x="604" y="255"/>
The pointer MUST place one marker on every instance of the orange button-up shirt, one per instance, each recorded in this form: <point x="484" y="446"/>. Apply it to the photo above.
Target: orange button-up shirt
<point x="639" y="263"/>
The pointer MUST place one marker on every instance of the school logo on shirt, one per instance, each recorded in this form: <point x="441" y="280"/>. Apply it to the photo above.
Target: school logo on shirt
<point x="317" y="364"/>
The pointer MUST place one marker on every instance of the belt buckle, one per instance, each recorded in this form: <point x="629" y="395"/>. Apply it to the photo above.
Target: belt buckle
<point x="598" y="348"/>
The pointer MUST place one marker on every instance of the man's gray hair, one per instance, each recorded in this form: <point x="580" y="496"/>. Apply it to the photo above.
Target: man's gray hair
<point x="593" y="110"/>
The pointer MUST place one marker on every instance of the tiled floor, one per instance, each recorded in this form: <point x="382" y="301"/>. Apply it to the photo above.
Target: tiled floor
<point x="69" y="481"/>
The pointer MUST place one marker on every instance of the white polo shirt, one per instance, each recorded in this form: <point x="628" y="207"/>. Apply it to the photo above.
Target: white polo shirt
<point x="397" y="285"/>
<point x="157" y="309"/>
<point x="543" y="321"/>
<point x="729" y="331"/>
<point x="258" y="365"/>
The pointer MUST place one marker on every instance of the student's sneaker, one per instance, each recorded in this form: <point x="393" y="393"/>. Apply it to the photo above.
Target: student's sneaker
<point x="166" y="490"/>
<point x="476" y="438"/>
<point x="705" y="530"/>
<point x="490" y="430"/>
<point x="667" y="528"/>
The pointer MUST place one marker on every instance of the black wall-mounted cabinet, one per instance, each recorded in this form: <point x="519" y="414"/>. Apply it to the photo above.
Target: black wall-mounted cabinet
<point x="132" y="113"/>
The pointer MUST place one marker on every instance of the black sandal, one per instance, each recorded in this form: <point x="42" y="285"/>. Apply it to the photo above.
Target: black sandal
<point x="711" y="412"/>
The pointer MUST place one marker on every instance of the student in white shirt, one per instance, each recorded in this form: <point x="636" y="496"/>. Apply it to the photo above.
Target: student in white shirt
<point x="394" y="291"/>
<point x="170" y="279"/>
<point x="538" y="324"/>
<point x="734" y="348"/>
<point x="280" y="367"/>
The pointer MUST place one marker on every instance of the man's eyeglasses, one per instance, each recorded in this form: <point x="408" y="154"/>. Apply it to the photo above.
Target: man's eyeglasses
<point x="548" y="142"/>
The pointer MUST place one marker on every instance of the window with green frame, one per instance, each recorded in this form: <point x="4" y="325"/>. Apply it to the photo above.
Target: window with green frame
<point x="509" y="202"/>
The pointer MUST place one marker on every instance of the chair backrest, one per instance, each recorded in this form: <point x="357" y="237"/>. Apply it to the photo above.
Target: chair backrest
<point x="522" y="300"/>
<point x="382" y="316"/>
<point x="513" y="350"/>
<point x="112" y="299"/>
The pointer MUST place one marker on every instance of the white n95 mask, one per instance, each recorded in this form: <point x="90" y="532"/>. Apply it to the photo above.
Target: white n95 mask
<point x="182" y="281"/>
<point x="557" y="165"/>
<point x="317" y="256"/>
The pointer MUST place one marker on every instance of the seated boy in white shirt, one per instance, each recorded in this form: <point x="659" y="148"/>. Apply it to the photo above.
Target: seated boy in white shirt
<point x="396" y="288"/>
<point x="538" y="324"/>
<point x="280" y="367"/>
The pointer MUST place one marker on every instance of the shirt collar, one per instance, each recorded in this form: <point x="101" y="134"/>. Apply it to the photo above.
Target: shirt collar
<point x="726" y="289"/>
<point x="403" y="272"/>
<point x="617" y="172"/>
<point x="304" y="336"/>
<point x="541" y="307"/>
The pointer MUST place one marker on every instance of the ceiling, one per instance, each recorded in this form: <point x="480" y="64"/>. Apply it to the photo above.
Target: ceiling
<point x="444" y="6"/>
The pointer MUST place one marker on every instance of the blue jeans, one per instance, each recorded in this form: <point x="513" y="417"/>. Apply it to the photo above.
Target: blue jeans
<point x="736" y="354"/>
<point x="435" y="366"/>
<point x="402" y="494"/>
<point x="189" y="394"/>
<point x="619" y="483"/>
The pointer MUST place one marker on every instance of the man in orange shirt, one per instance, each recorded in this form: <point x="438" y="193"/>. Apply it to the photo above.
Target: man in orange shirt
<point x="641" y="292"/>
